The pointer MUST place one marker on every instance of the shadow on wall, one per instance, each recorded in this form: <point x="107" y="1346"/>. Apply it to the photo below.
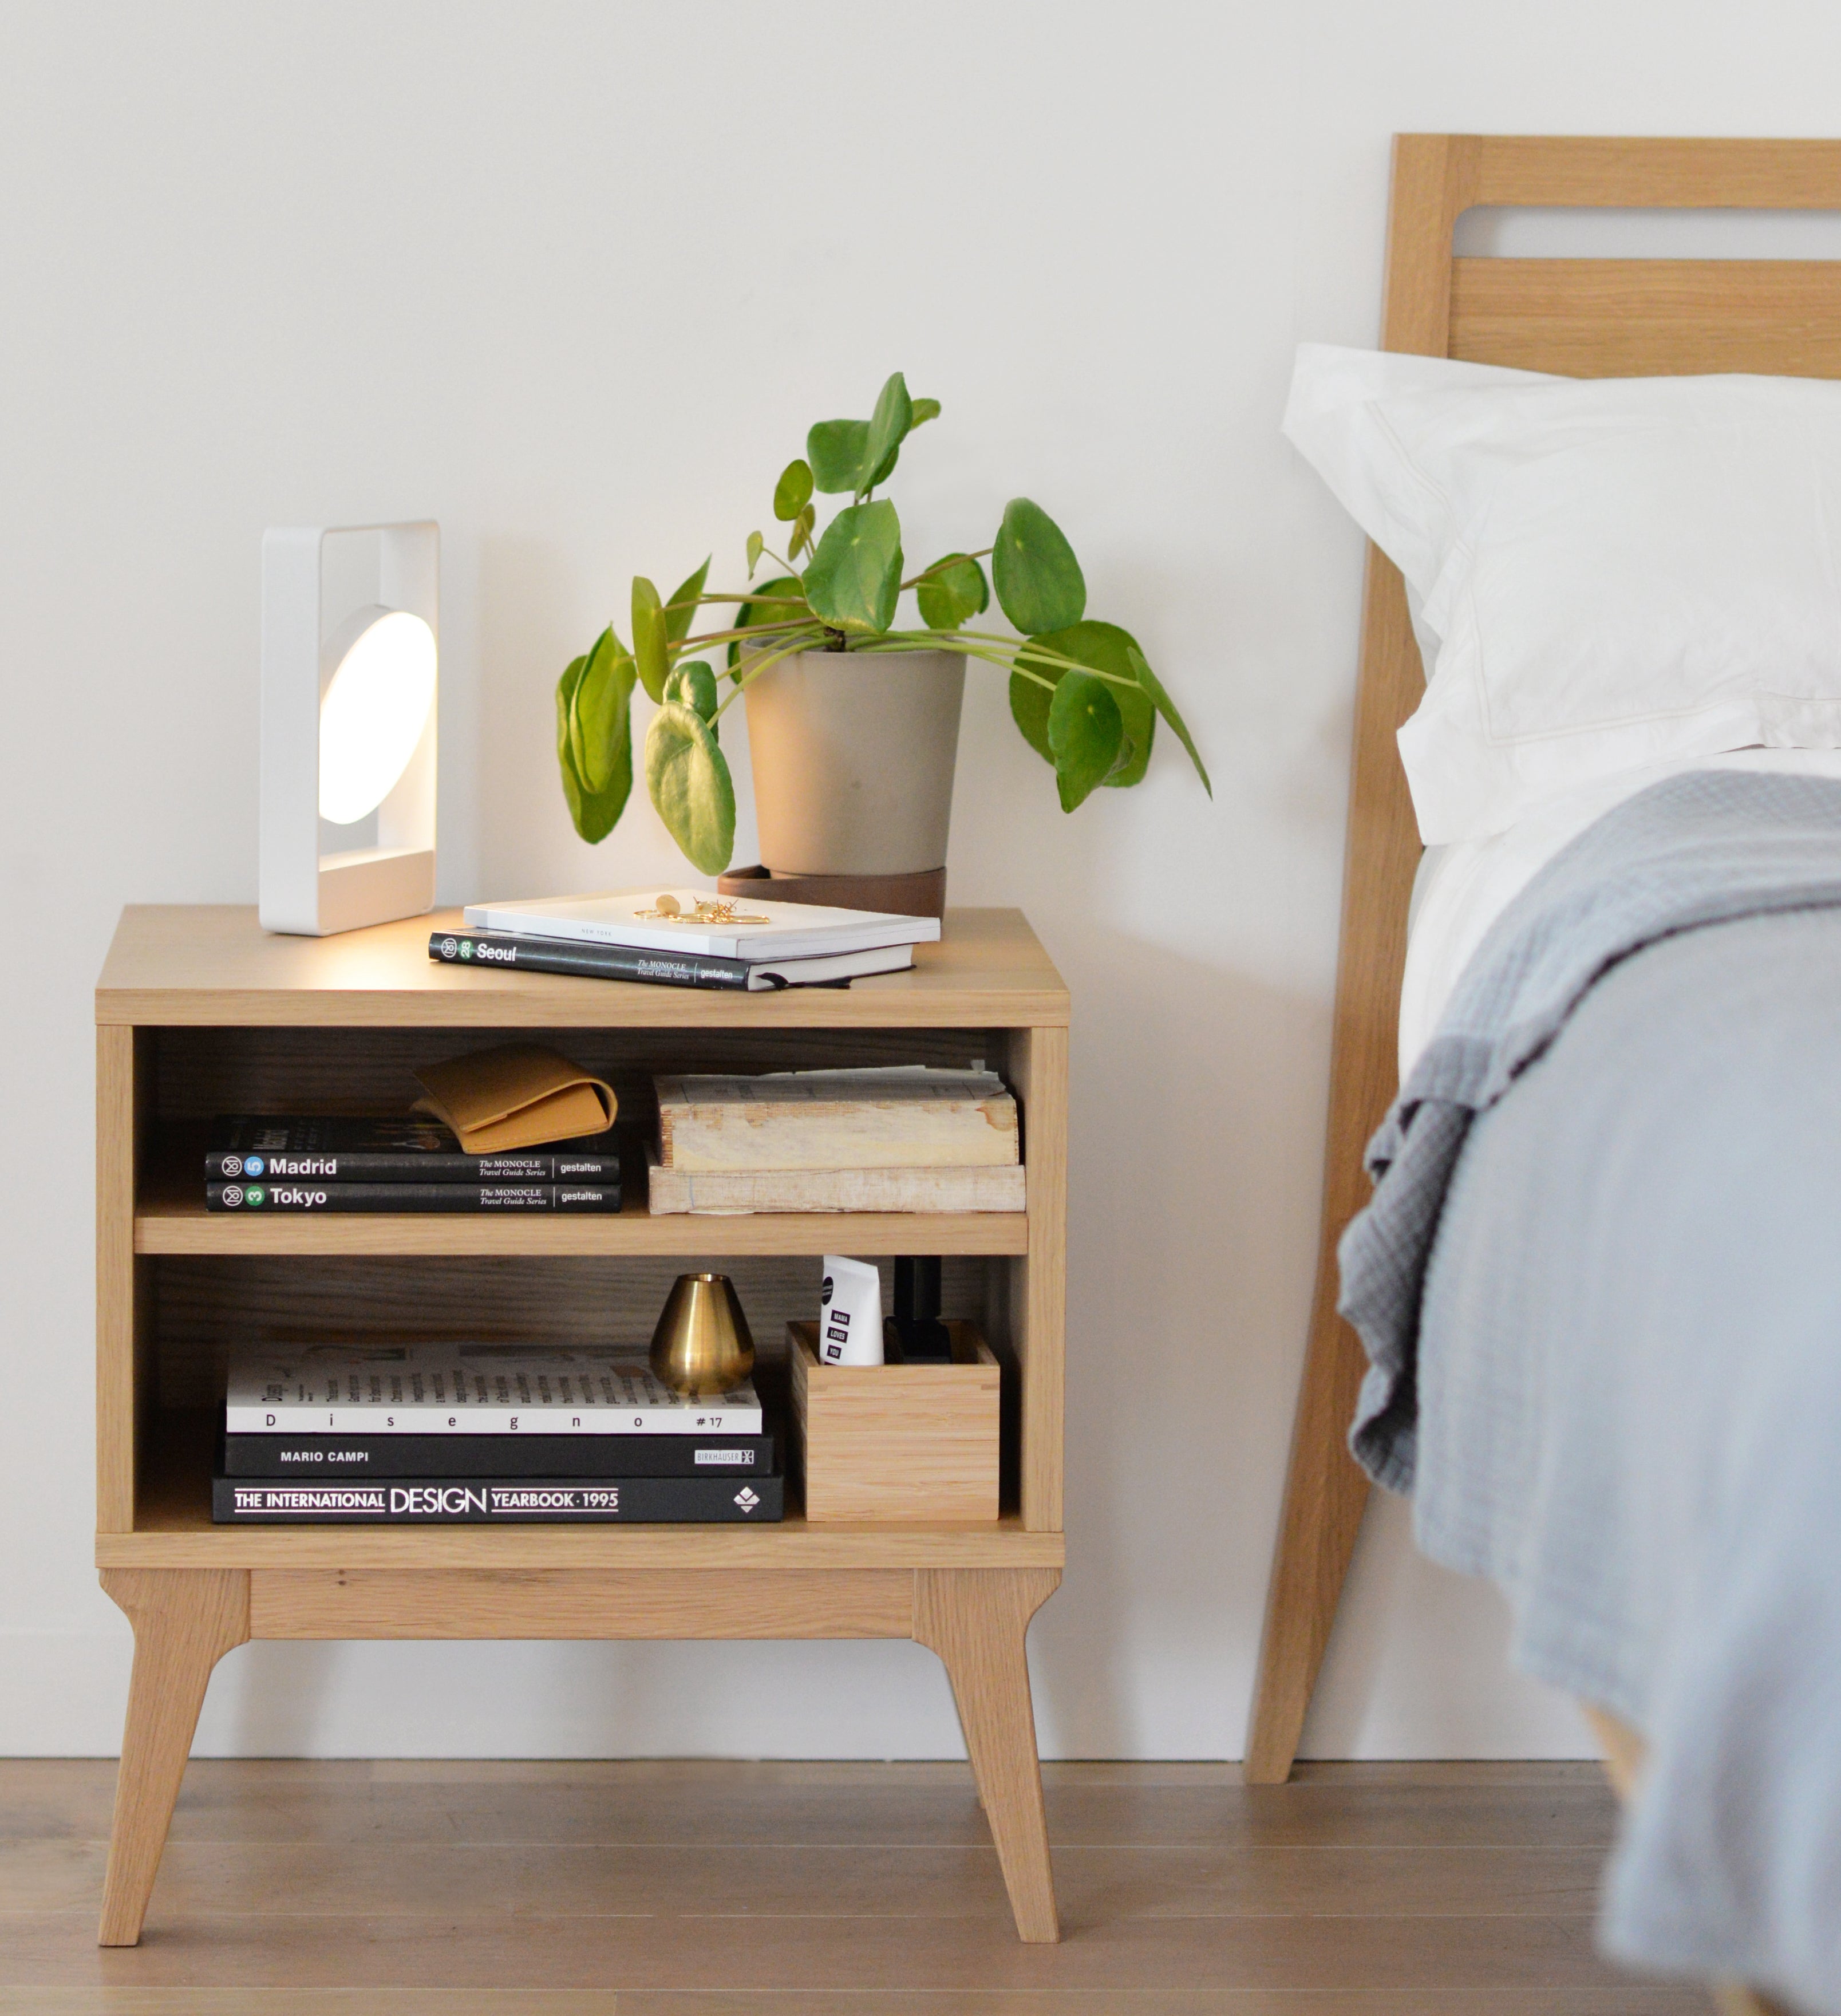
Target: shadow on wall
<point x="1196" y="1129"/>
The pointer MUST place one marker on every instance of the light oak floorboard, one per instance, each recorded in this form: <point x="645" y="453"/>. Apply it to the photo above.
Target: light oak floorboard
<point x="820" y="2002"/>
<point x="738" y="1955"/>
<point x="642" y="1805"/>
<point x="294" y="1888"/>
<point x="213" y="1879"/>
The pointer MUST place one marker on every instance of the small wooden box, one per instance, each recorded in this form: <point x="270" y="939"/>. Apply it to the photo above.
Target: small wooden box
<point x="897" y="1441"/>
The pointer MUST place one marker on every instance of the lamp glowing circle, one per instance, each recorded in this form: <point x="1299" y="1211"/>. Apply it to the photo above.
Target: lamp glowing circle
<point x="374" y="710"/>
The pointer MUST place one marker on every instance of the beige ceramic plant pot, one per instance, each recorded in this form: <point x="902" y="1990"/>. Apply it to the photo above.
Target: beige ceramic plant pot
<point x="853" y="754"/>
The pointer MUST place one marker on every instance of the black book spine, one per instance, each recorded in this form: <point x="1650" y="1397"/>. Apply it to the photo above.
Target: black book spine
<point x="314" y="1458"/>
<point x="531" y="1501"/>
<point x="266" y="1197"/>
<point x="228" y="1166"/>
<point x="590" y="961"/>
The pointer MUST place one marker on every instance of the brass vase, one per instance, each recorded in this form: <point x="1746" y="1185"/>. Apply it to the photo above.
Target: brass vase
<point x="701" y="1344"/>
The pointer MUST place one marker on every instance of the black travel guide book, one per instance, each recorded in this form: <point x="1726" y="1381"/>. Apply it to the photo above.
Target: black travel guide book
<point x="266" y="1195"/>
<point x="413" y="1149"/>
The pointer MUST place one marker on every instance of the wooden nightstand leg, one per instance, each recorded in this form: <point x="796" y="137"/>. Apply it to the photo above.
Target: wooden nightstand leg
<point x="185" y="1620"/>
<point x="976" y="1620"/>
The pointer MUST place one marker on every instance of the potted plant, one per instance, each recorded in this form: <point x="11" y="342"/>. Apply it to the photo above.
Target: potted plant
<point x="854" y="723"/>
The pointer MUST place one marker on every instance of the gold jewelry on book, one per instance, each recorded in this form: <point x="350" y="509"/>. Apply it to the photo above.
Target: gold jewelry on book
<point x="667" y="910"/>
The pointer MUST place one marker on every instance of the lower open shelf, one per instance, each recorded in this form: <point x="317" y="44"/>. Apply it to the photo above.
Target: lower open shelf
<point x="173" y="1529"/>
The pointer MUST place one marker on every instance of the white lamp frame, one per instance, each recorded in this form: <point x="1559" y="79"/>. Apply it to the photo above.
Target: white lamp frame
<point x="302" y="890"/>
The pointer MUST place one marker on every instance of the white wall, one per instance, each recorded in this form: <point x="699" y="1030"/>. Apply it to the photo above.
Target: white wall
<point x="574" y="279"/>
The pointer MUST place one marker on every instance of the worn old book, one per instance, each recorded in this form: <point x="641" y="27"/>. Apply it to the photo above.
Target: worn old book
<point x="910" y="1116"/>
<point x="728" y="1193"/>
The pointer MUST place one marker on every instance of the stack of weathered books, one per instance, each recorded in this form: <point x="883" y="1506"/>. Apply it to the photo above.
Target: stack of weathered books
<point x="911" y="1138"/>
<point x="336" y="1435"/>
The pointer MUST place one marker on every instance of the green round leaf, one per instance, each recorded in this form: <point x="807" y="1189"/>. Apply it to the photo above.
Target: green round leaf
<point x="599" y="712"/>
<point x="1029" y="709"/>
<point x="565" y="703"/>
<point x="757" y="545"/>
<point x="1107" y="649"/>
<point x="924" y="410"/>
<point x="855" y="575"/>
<point x="1038" y="581"/>
<point x="835" y="450"/>
<point x="650" y="637"/>
<point x="690" y="785"/>
<point x="793" y="491"/>
<point x="1166" y="707"/>
<point x="775" y="611"/>
<point x="1086" y="736"/>
<point x="888" y="429"/>
<point x="952" y="591"/>
<point x="594" y="814"/>
<point x="693" y="685"/>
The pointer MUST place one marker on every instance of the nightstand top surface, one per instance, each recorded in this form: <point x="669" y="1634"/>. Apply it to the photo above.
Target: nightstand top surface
<point x="214" y="964"/>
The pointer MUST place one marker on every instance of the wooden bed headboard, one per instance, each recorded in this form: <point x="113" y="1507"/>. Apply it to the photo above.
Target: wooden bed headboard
<point x="1587" y="319"/>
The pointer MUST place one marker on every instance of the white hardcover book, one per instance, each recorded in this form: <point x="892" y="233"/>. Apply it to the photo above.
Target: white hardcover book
<point x="774" y="972"/>
<point x="790" y="931"/>
<point x="467" y="1389"/>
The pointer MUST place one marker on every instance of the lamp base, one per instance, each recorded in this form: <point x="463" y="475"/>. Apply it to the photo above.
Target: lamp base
<point x="371" y="885"/>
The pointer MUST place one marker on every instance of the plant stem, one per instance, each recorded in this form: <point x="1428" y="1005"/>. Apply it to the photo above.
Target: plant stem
<point x="1040" y="654"/>
<point x="791" y="601"/>
<point x="746" y="630"/>
<point x="952" y="640"/>
<point x="926" y="573"/>
<point x="765" y="661"/>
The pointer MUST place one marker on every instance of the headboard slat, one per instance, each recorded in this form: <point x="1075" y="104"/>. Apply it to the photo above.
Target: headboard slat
<point x="1542" y="172"/>
<point x="1648" y="318"/>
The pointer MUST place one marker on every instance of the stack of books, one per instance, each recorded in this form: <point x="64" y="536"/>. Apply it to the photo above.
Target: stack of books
<point x="682" y="938"/>
<point x="299" y="1162"/>
<point x="910" y="1138"/>
<point x="337" y="1434"/>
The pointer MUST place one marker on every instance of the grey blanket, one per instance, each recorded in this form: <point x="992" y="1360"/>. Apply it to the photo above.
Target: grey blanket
<point x="1600" y="1286"/>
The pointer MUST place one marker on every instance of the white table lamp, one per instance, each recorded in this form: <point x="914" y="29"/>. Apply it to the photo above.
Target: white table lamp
<point x="351" y="621"/>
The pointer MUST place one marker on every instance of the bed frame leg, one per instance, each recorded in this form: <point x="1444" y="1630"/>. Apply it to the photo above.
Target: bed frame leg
<point x="1325" y="1495"/>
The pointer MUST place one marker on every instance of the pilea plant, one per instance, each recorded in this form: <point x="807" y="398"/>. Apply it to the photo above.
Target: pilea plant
<point x="1081" y="691"/>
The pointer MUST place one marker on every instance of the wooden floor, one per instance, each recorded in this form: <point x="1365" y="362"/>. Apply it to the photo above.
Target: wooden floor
<point x="703" y="1889"/>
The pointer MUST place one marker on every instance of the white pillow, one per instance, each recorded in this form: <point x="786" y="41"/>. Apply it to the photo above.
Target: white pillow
<point x="1616" y="571"/>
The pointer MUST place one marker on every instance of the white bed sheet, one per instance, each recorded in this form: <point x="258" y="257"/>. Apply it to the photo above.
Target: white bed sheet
<point x="1461" y="889"/>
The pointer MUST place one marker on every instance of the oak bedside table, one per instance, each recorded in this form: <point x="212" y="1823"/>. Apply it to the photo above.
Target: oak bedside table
<point x="199" y="1012"/>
